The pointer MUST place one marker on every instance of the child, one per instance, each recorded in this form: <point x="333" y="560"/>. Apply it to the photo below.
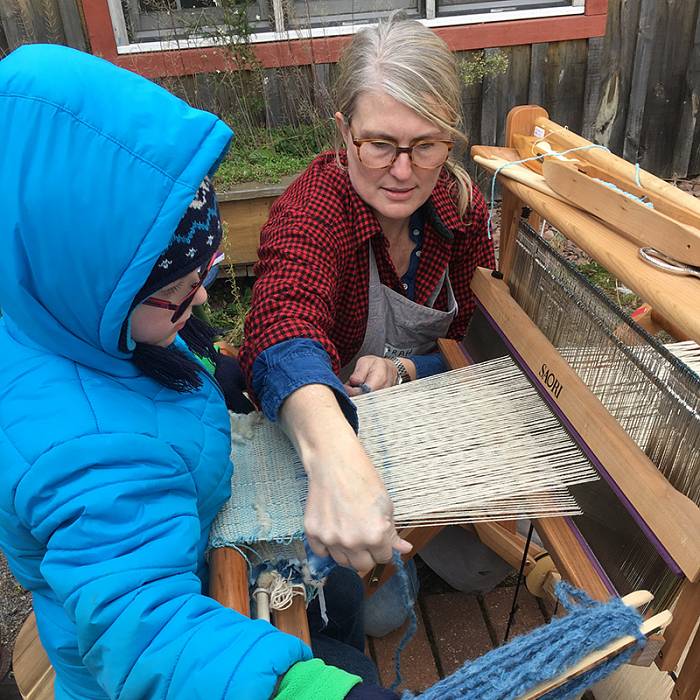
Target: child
<point x="114" y="439"/>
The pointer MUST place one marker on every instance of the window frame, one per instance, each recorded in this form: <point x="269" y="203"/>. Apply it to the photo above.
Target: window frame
<point x="280" y="33"/>
<point x="108" y="36"/>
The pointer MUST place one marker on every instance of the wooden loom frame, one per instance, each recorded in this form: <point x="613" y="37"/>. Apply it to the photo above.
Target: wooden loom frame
<point x="650" y="494"/>
<point x="676" y="301"/>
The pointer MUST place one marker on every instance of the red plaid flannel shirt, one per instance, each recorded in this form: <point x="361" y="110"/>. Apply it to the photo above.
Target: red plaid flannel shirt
<point x="313" y="269"/>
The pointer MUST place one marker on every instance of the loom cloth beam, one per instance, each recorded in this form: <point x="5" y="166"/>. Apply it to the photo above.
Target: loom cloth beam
<point x="228" y="584"/>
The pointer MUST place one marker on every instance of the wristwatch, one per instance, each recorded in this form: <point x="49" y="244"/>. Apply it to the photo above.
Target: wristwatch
<point x="403" y="375"/>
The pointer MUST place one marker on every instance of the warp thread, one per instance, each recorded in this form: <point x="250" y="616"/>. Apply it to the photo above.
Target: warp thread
<point x="513" y="669"/>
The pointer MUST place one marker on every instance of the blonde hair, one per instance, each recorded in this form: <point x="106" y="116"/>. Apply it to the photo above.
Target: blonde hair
<point x="410" y="63"/>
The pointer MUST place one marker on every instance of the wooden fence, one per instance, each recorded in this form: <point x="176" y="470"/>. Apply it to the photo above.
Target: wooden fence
<point x="636" y="90"/>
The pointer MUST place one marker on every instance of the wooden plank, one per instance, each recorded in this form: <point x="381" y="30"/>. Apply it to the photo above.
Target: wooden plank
<point x="591" y="92"/>
<point x="616" y="70"/>
<point x="328" y="49"/>
<point x="596" y="7"/>
<point x="72" y="24"/>
<point x="489" y="106"/>
<point x="624" y="171"/>
<point x="640" y="79"/>
<point x="572" y="560"/>
<point x="453" y="353"/>
<point x="645" y="225"/>
<point x="228" y="579"/>
<point x="564" y="81"/>
<point x="33" y="671"/>
<point x="243" y="219"/>
<point x="538" y="55"/>
<point x="688" y="683"/>
<point x="520" y="120"/>
<point x="492" y="158"/>
<point x="511" y="87"/>
<point x="672" y="517"/>
<point x="673" y="39"/>
<point x="689" y="111"/>
<point x="686" y="613"/>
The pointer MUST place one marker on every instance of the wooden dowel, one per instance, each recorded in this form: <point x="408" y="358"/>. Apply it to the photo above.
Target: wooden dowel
<point x="686" y="613"/>
<point x="228" y="579"/>
<point x="293" y="620"/>
<point x="646" y="225"/>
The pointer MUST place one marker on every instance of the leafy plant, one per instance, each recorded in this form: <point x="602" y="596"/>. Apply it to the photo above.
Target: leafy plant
<point x="598" y="275"/>
<point x="227" y="307"/>
<point x="267" y="155"/>
<point x="482" y="63"/>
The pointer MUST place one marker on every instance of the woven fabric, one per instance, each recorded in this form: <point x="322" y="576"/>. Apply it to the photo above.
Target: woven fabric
<point x="269" y="486"/>
<point x="479" y="458"/>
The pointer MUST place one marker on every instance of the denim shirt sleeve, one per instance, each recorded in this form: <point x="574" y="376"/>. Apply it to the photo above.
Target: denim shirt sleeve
<point x="285" y="367"/>
<point x="427" y="365"/>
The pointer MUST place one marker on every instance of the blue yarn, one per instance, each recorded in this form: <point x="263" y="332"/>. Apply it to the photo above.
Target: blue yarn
<point x="511" y="670"/>
<point x="412" y="619"/>
<point x="619" y="190"/>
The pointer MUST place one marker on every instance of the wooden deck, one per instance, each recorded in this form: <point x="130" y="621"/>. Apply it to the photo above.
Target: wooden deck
<point x="453" y="627"/>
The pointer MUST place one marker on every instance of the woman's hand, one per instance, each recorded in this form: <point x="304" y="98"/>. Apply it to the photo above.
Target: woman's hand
<point x="373" y="373"/>
<point x="349" y="514"/>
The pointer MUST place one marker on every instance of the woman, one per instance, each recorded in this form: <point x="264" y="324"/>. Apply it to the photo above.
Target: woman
<point x="114" y="438"/>
<point x="364" y="263"/>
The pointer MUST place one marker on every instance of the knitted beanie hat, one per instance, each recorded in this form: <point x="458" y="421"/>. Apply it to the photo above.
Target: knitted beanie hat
<point x="195" y="240"/>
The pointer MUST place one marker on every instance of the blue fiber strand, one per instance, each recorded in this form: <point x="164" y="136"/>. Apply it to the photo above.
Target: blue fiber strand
<point x="412" y="619"/>
<point x="629" y="195"/>
<point x="513" y="669"/>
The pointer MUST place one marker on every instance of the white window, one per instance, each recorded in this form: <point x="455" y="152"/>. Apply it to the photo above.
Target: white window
<point x="153" y="25"/>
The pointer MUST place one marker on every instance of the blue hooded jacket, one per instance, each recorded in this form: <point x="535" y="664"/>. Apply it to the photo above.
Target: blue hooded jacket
<point x="109" y="482"/>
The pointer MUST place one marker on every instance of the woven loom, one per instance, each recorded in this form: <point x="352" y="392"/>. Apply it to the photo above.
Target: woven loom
<point x="473" y="453"/>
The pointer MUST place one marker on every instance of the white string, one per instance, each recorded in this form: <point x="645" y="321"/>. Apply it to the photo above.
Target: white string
<point x="281" y="591"/>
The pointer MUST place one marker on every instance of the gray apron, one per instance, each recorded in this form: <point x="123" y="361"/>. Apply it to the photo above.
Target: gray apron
<point x="397" y="326"/>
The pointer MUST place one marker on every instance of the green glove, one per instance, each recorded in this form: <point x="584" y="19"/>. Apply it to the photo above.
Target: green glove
<point x="312" y="680"/>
